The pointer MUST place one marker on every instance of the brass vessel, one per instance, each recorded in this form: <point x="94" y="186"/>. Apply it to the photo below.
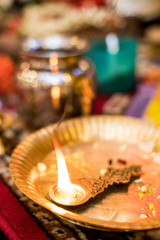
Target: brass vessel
<point x="52" y="69"/>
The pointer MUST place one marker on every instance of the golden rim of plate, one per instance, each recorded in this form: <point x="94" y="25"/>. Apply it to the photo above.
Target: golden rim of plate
<point x="38" y="144"/>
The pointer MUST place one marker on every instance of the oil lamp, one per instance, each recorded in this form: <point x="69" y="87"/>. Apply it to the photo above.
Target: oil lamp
<point x="65" y="192"/>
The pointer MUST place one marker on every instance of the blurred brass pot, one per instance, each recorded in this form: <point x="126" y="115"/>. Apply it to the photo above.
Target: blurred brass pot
<point x="52" y="69"/>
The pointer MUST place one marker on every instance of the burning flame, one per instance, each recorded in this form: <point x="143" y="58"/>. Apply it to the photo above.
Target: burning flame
<point x="55" y="92"/>
<point x="53" y="60"/>
<point x="64" y="182"/>
<point x="55" y="95"/>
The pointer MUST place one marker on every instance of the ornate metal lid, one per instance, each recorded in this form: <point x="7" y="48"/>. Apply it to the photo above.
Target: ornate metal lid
<point x="62" y="45"/>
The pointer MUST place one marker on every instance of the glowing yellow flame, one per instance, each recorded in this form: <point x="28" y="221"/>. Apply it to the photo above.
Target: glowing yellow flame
<point x="64" y="182"/>
<point x="55" y="92"/>
<point x="53" y="60"/>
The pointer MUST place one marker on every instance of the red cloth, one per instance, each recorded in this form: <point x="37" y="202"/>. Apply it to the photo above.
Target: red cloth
<point x="98" y="105"/>
<point x="7" y="72"/>
<point x="15" y="221"/>
<point x="82" y="3"/>
<point x="87" y="3"/>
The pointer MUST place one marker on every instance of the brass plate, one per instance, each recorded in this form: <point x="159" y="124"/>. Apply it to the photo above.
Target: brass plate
<point x="33" y="169"/>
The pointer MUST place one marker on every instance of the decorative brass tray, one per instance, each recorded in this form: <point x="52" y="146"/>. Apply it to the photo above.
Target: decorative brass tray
<point x="91" y="144"/>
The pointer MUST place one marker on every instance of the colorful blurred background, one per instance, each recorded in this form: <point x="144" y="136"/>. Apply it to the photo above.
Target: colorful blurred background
<point x="103" y="55"/>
